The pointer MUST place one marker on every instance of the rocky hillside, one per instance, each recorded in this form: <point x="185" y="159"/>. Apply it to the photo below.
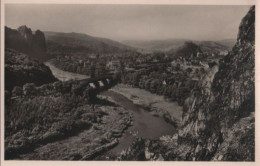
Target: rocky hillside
<point x="218" y="120"/>
<point x="219" y="117"/>
<point x="21" y="69"/>
<point x="26" y="41"/>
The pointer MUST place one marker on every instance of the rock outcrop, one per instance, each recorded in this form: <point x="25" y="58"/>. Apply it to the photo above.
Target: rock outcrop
<point x="218" y="120"/>
<point x="25" y="41"/>
<point x="221" y="111"/>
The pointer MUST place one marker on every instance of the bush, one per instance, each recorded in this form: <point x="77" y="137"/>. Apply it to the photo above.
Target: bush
<point x="29" y="89"/>
<point x="17" y="91"/>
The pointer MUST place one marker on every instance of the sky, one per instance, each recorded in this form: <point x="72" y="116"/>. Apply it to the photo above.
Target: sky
<point x="131" y="22"/>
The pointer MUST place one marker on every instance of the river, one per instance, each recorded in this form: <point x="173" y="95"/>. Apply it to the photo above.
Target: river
<point x="64" y="75"/>
<point x="145" y="125"/>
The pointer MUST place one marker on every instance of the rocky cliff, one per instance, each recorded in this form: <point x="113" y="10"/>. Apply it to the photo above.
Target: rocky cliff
<point x="218" y="120"/>
<point x="219" y="117"/>
<point x="25" y="41"/>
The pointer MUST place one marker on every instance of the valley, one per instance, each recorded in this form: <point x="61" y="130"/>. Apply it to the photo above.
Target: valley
<point x="73" y="96"/>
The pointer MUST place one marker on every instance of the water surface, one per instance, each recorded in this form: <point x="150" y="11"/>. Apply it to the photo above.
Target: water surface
<point x="145" y="124"/>
<point x="64" y="75"/>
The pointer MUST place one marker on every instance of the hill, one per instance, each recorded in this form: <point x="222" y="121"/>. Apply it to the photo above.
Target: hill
<point x="227" y="42"/>
<point x="76" y="43"/>
<point x="156" y="45"/>
<point x="187" y="50"/>
<point x="170" y="45"/>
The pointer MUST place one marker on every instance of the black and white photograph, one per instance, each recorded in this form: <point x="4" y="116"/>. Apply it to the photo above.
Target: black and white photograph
<point x="128" y="82"/>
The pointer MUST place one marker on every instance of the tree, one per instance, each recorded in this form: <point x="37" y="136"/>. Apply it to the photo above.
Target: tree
<point x="29" y="89"/>
<point x="66" y="87"/>
<point x="7" y="97"/>
<point x="189" y="70"/>
<point x="57" y="86"/>
<point x="76" y="90"/>
<point x="147" y="84"/>
<point x="178" y="67"/>
<point x="154" y="84"/>
<point x="17" y="91"/>
<point x="89" y="94"/>
<point x="135" y="79"/>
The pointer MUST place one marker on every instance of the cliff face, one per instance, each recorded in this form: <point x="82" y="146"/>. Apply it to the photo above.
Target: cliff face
<point x="219" y="117"/>
<point x="21" y="69"/>
<point x="23" y="40"/>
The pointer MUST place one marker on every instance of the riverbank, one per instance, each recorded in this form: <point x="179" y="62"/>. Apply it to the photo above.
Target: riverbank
<point x="155" y="104"/>
<point x="88" y="144"/>
<point x="117" y="123"/>
<point x="64" y="75"/>
<point x="145" y="125"/>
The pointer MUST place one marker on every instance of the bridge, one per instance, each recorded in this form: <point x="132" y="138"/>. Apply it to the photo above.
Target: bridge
<point x="94" y="85"/>
<point x="99" y="82"/>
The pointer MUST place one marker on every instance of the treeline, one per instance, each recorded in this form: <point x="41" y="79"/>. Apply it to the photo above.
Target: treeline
<point x="73" y="87"/>
<point x="94" y="69"/>
<point x="176" y="87"/>
<point x="72" y="66"/>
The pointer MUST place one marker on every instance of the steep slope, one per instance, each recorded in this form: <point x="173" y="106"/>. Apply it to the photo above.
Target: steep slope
<point x="64" y="43"/>
<point x="219" y="117"/>
<point x="21" y="69"/>
<point x="218" y="121"/>
<point x="25" y="41"/>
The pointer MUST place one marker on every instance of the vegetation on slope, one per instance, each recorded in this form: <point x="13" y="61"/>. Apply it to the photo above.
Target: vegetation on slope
<point x="21" y="69"/>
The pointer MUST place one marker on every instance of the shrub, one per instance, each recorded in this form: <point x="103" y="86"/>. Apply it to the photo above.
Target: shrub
<point x="17" y="91"/>
<point x="29" y="89"/>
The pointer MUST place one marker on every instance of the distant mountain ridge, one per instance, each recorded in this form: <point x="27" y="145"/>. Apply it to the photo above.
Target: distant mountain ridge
<point x="174" y="44"/>
<point x="227" y="42"/>
<point x="58" y="42"/>
<point x="155" y="45"/>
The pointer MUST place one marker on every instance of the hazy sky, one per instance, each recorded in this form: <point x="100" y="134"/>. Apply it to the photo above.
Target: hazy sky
<point x="131" y="22"/>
